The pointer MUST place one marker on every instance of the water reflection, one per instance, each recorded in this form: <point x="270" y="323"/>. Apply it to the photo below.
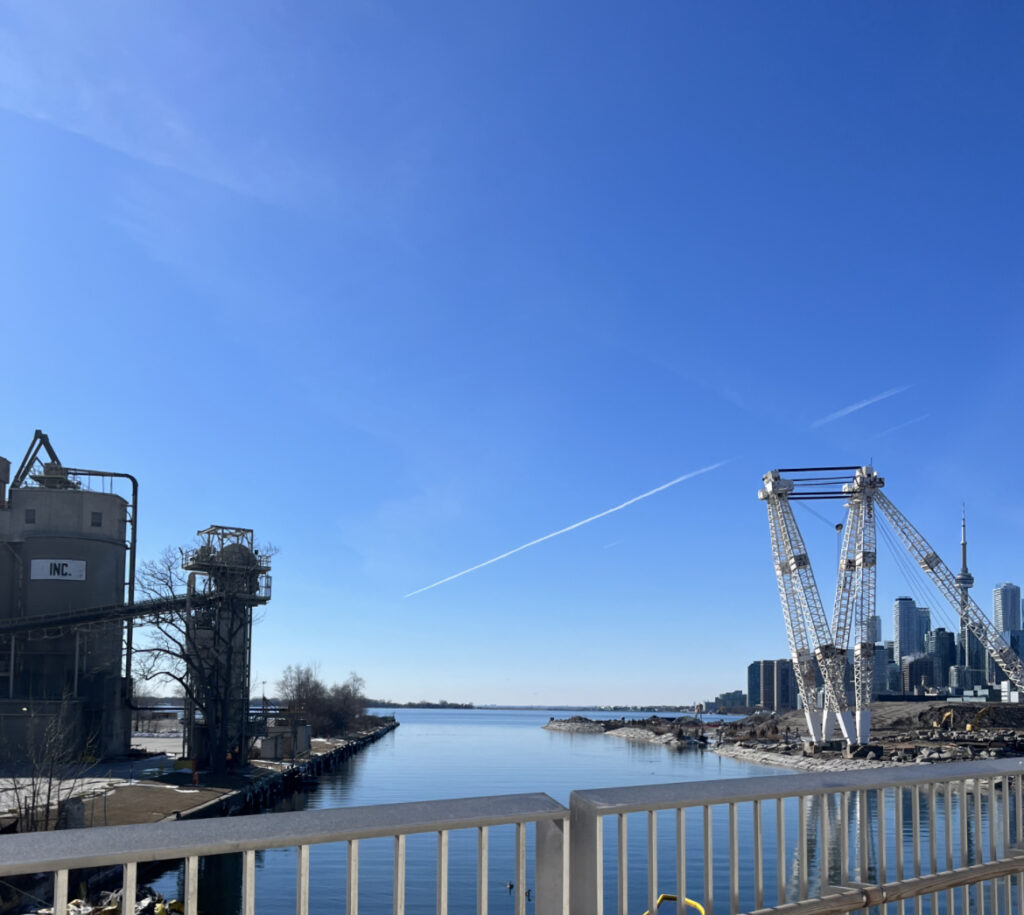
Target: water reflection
<point x="460" y="754"/>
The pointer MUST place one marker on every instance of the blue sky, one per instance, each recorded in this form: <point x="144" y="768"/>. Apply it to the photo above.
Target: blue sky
<point x="405" y="286"/>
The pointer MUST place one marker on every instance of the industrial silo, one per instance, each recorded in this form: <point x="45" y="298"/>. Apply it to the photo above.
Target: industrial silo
<point x="63" y="549"/>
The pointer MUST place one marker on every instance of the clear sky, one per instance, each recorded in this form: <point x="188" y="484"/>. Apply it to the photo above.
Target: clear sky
<point x="404" y="286"/>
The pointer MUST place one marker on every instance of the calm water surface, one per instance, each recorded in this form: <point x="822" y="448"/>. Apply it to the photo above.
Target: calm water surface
<point x="465" y="753"/>
<point x="444" y="753"/>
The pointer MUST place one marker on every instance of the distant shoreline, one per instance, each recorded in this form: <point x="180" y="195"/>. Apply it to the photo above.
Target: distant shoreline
<point x="442" y="704"/>
<point x="619" y="710"/>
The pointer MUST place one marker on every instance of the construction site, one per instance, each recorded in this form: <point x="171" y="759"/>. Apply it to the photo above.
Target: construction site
<point x="902" y="732"/>
<point x="68" y="615"/>
<point x="841" y="718"/>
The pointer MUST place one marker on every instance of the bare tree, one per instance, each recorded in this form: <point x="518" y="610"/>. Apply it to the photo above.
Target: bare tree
<point x="202" y="648"/>
<point x="49" y="771"/>
<point x="330" y="710"/>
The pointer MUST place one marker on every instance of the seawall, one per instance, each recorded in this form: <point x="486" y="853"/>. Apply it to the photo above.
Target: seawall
<point x="264" y="790"/>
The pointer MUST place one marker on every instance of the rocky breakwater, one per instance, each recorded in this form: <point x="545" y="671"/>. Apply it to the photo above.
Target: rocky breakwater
<point x="793" y="758"/>
<point x="671" y="732"/>
<point x="575" y="725"/>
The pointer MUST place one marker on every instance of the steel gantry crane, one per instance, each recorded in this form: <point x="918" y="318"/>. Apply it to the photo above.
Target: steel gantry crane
<point x="816" y="645"/>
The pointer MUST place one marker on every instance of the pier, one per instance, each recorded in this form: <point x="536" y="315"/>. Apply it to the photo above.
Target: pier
<point x="252" y="790"/>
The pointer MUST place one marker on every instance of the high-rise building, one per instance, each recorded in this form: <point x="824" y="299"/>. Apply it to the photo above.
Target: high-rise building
<point x="916" y="674"/>
<point x="766" y="675"/>
<point x="924" y="621"/>
<point x="785" y="685"/>
<point x="940" y="646"/>
<point x="735" y="698"/>
<point x="908" y="635"/>
<point x="875" y="630"/>
<point x="754" y="683"/>
<point x="1006" y="607"/>
<point x="879" y="676"/>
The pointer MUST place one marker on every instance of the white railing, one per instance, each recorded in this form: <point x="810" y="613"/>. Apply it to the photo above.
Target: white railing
<point x="129" y="846"/>
<point x="947" y="836"/>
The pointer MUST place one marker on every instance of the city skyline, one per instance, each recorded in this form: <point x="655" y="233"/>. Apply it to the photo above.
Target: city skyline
<point x="404" y="288"/>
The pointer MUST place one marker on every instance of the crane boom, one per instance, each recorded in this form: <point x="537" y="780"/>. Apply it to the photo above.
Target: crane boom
<point x="864" y="644"/>
<point x="842" y="607"/>
<point x="796" y="631"/>
<point x="39" y="440"/>
<point x="792" y="562"/>
<point x="940" y="574"/>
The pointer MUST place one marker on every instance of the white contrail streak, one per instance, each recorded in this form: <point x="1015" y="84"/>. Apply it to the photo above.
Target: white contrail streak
<point x="860" y="405"/>
<point x="909" y="422"/>
<point x="572" y="527"/>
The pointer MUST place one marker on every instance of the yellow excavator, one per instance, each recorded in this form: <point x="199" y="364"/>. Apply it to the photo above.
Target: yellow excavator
<point x="979" y="719"/>
<point x="946" y="718"/>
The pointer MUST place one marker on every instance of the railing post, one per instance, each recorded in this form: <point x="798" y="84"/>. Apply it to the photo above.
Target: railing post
<point x="586" y="854"/>
<point x="551" y="872"/>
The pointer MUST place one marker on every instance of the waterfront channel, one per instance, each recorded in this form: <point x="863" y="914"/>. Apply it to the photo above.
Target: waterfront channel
<point x="447" y="753"/>
<point x="466" y="753"/>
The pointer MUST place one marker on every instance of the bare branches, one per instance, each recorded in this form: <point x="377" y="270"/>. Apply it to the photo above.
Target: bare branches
<point x="329" y="710"/>
<point x="42" y="783"/>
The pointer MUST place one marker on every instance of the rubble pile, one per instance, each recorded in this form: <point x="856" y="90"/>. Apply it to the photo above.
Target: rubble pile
<point x="902" y="733"/>
<point x="108" y="902"/>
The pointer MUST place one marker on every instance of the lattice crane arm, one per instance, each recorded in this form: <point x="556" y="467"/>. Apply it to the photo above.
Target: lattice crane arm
<point x="804" y="664"/>
<point x="793" y="563"/>
<point x="944" y="579"/>
<point x="842" y="609"/>
<point x="39" y="440"/>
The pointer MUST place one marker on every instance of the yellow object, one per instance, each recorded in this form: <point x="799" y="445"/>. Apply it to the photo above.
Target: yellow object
<point x="159" y="909"/>
<point x="671" y="897"/>
<point x="175" y="906"/>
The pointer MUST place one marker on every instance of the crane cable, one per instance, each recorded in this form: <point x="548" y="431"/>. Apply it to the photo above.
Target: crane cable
<point x="913" y="575"/>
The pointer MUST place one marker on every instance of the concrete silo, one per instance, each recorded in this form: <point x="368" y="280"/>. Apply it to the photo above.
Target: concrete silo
<point x="64" y="548"/>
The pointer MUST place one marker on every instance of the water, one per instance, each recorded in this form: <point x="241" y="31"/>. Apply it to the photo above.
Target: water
<point x="440" y="753"/>
<point x="464" y="753"/>
<point x="445" y="753"/>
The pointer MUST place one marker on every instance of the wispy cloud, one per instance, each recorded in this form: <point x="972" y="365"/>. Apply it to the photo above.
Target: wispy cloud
<point x="860" y="405"/>
<point x="103" y="77"/>
<point x="909" y="422"/>
<point x="572" y="527"/>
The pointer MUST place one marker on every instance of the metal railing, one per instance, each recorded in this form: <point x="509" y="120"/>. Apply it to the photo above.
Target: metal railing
<point x="947" y="836"/>
<point x="129" y="846"/>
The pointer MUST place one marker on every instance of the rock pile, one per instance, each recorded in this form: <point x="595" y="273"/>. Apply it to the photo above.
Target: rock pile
<point x="147" y="902"/>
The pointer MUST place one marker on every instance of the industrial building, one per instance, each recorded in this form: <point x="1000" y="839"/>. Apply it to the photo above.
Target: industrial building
<point x="68" y="608"/>
<point x="66" y="545"/>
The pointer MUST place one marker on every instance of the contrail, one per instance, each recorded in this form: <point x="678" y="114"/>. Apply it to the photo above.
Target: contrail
<point x="853" y="408"/>
<point x="572" y="527"/>
<point x="909" y="422"/>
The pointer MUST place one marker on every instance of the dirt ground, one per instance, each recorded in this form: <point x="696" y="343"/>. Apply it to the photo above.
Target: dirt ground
<point x="891" y="718"/>
<point x="147" y="802"/>
<point x="958" y="728"/>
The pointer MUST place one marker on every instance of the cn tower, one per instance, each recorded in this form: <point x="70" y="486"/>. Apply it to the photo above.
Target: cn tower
<point x="965" y="581"/>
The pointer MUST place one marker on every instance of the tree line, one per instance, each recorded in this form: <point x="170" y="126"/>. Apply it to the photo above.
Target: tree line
<point x="332" y="710"/>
